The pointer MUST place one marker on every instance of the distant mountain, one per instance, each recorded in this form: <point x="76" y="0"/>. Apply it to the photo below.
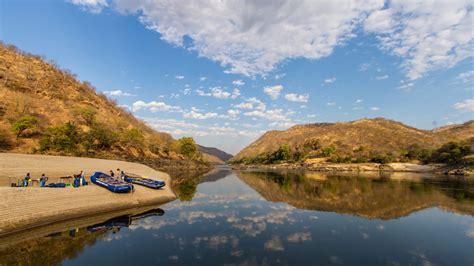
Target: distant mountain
<point x="215" y="155"/>
<point x="365" y="136"/>
<point x="62" y="115"/>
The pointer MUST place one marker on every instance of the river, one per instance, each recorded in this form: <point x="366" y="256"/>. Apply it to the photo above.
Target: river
<point x="276" y="217"/>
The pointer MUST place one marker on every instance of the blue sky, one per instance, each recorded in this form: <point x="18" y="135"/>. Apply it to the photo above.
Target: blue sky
<point x="224" y="72"/>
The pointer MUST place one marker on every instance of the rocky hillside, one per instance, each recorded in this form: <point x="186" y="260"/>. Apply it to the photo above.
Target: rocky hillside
<point x="362" y="139"/>
<point x="44" y="109"/>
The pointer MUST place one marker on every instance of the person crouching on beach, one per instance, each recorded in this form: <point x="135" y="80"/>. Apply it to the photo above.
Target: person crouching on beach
<point x="112" y="173"/>
<point x="43" y="180"/>
<point x="26" y="179"/>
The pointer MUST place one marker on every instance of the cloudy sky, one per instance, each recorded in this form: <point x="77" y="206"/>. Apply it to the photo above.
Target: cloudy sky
<point x="225" y="72"/>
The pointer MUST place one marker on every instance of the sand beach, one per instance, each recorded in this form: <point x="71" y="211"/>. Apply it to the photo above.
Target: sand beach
<point x="32" y="207"/>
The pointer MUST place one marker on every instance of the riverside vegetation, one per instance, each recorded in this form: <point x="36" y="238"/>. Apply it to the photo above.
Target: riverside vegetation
<point x="47" y="110"/>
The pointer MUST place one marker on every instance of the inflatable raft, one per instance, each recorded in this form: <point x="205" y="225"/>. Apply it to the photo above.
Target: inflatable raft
<point x="110" y="183"/>
<point x="140" y="180"/>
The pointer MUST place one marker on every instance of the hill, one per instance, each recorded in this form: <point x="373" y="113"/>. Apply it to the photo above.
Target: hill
<point x="362" y="140"/>
<point x="47" y="110"/>
<point x="215" y="155"/>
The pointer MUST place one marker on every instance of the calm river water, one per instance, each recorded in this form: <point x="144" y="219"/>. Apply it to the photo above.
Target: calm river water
<point x="268" y="218"/>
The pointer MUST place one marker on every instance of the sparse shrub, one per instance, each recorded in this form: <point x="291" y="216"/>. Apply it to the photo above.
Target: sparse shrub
<point x="86" y="114"/>
<point x="361" y="159"/>
<point x="63" y="138"/>
<point x="5" y="141"/>
<point x="24" y="123"/>
<point x="133" y="136"/>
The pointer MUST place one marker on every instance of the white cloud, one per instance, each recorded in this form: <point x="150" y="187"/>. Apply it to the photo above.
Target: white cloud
<point x="381" y="77"/>
<point x="202" y="78"/>
<point x="238" y="82"/>
<point x="154" y="106"/>
<point x="244" y="38"/>
<point x="274" y="244"/>
<point x="467" y="105"/>
<point x="233" y="113"/>
<point x="293" y="97"/>
<point x="427" y="34"/>
<point x="272" y="115"/>
<point x="467" y="76"/>
<point x="359" y="101"/>
<point x="281" y="124"/>
<point x="273" y="91"/>
<point x="406" y="86"/>
<point x="375" y="108"/>
<point x="219" y="93"/>
<point x="93" y="6"/>
<point x="118" y="93"/>
<point x="252" y="103"/>
<point x="330" y="103"/>
<point x="197" y="115"/>
<point x="330" y="80"/>
<point x="179" y="77"/>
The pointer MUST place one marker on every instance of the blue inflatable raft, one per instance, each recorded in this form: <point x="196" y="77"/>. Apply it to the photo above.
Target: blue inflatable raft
<point x="110" y="183"/>
<point x="140" y="180"/>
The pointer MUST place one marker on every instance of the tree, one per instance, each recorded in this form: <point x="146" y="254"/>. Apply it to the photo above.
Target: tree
<point x="451" y="153"/>
<point x="63" y="138"/>
<point x="326" y="152"/>
<point x="134" y="137"/>
<point x="282" y="154"/>
<point x="24" y="123"/>
<point x="188" y="147"/>
<point x="99" y="137"/>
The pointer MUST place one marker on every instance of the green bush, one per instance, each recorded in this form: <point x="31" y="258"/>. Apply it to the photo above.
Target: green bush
<point x="328" y="151"/>
<point x="63" y="138"/>
<point x="188" y="147"/>
<point x="24" y="123"/>
<point x="450" y="153"/>
<point x="382" y="158"/>
<point x="99" y="137"/>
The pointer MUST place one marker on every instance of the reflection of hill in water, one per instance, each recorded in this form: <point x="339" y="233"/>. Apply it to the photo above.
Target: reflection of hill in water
<point x="366" y="197"/>
<point x="56" y="247"/>
<point x="184" y="183"/>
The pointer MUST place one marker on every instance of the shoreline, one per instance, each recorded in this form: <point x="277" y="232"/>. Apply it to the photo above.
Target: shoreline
<point x="438" y="169"/>
<point x="31" y="207"/>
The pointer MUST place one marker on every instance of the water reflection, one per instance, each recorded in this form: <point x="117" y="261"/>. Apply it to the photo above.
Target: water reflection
<point x="376" y="197"/>
<point x="257" y="218"/>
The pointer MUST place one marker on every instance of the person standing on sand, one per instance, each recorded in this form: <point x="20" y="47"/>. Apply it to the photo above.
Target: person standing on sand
<point x="121" y="174"/>
<point x="43" y="180"/>
<point x="26" y="179"/>
<point x="112" y="173"/>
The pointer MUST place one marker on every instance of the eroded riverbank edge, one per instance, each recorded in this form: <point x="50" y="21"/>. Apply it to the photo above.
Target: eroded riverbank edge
<point x="26" y="208"/>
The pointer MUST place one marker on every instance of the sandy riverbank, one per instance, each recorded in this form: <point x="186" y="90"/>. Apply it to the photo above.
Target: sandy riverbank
<point x="25" y="208"/>
<point x="366" y="168"/>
